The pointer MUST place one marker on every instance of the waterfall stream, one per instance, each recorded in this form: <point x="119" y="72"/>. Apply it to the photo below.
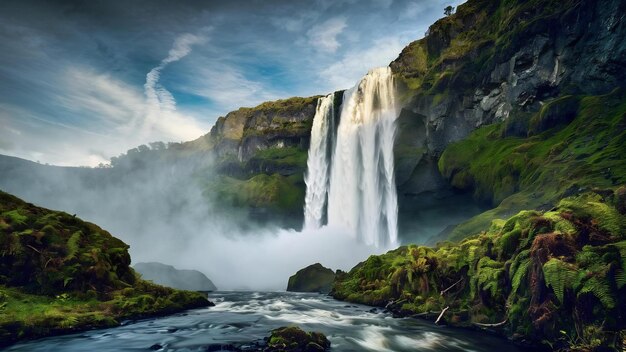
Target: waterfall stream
<point x="360" y="187"/>
<point x="316" y="178"/>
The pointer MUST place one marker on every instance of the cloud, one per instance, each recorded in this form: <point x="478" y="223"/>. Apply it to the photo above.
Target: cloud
<point x="323" y="36"/>
<point x="412" y="10"/>
<point x="160" y="100"/>
<point x="228" y="88"/>
<point x="347" y="71"/>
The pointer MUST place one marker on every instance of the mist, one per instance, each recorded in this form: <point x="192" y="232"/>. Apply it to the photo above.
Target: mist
<point x="157" y="204"/>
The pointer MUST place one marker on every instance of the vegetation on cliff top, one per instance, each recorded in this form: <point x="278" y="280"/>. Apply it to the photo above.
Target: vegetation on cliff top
<point x="555" y="277"/>
<point x="60" y="274"/>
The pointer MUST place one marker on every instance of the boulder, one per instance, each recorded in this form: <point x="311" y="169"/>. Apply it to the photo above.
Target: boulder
<point x="313" y="278"/>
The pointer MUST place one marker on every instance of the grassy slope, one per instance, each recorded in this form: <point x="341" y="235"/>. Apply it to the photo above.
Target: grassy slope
<point x="555" y="278"/>
<point x="60" y="274"/>
<point x="517" y="173"/>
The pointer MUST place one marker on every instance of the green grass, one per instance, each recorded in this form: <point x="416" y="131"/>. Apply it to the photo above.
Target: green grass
<point x="24" y="315"/>
<point x="291" y="156"/>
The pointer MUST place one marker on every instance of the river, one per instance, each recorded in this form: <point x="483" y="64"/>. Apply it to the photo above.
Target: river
<point x="248" y="316"/>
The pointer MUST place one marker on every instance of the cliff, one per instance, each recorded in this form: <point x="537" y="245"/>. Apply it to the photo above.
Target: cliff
<point x="514" y="63"/>
<point x="525" y="65"/>
<point x="260" y="156"/>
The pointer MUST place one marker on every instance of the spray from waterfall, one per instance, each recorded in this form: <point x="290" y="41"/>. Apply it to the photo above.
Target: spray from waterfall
<point x="361" y="189"/>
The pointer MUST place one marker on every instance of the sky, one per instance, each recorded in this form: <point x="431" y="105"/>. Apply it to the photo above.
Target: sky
<point x="82" y="81"/>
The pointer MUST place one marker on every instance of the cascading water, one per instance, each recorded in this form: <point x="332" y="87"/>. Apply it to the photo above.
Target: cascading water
<point x="316" y="178"/>
<point x="361" y="189"/>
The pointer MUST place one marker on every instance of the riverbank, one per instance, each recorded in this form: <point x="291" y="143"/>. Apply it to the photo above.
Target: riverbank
<point x="550" y="278"/>
<point x="27" y="316"/>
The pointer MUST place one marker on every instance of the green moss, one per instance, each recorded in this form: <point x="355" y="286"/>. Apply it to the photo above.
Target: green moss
<point x="292" y="338"/>
<point x="261" y="191"/>
<point x="514" y="173"/>
<point x="277" y="157"/>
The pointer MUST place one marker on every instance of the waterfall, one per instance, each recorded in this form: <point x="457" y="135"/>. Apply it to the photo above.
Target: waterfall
<point x="316" y="178"/>
<point x="361" y="189"/>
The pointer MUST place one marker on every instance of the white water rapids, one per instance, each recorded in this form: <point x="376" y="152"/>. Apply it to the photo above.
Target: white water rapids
<point x="358" y="180"/>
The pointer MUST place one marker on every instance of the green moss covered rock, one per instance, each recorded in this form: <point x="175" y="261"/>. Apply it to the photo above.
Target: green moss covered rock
<point x="313" y="278"/>
<point x="294" y="339"/>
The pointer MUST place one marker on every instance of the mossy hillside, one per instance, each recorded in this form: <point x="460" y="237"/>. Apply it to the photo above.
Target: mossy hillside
<point x="54" y="251"/>
<point x="554" y="278"/>
<point x="272" y="192"/>
<point x="272" y="179"/>
<point x="553" y="160"/>
<point x="59" y="274"/>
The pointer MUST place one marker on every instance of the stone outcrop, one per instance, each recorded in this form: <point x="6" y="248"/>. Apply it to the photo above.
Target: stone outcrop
<point x="313" y="278"/>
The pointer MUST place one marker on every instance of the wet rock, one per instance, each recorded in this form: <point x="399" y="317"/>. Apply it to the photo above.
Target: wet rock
<point x="294" y="339"/>
<point x="155" y="347"/>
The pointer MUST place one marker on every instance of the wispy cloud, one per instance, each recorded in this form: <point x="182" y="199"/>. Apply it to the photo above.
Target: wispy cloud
<point x="228" y="88"/>
<point x="323" y="36"/>
<point x="161" y="105"/>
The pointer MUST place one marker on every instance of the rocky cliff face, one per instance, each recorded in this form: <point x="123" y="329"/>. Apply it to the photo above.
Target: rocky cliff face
<point x="500" y="62"/>
<point x="241" y="134"/>
<point x="494" y="60"/>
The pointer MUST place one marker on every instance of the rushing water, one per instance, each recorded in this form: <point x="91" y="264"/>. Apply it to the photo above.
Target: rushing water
<point x="354" y="174"/>
<point x="316" y="178"/>
<point x="249" y="316"/>
<point x="362" y="195"/>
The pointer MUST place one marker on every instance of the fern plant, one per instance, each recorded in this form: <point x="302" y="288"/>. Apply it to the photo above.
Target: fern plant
<point x="599" y="287"/>
<point x="520" y="274"/>
<point x="73" y="245"/>
<point x="559" y="276"/>
<point x="620" y="274"/>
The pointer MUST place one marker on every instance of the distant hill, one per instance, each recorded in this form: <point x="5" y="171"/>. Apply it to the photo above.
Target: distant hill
<point x="168" y="275"/>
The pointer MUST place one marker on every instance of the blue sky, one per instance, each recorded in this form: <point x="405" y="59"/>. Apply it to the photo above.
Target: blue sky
<point x="82" y="81"/>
